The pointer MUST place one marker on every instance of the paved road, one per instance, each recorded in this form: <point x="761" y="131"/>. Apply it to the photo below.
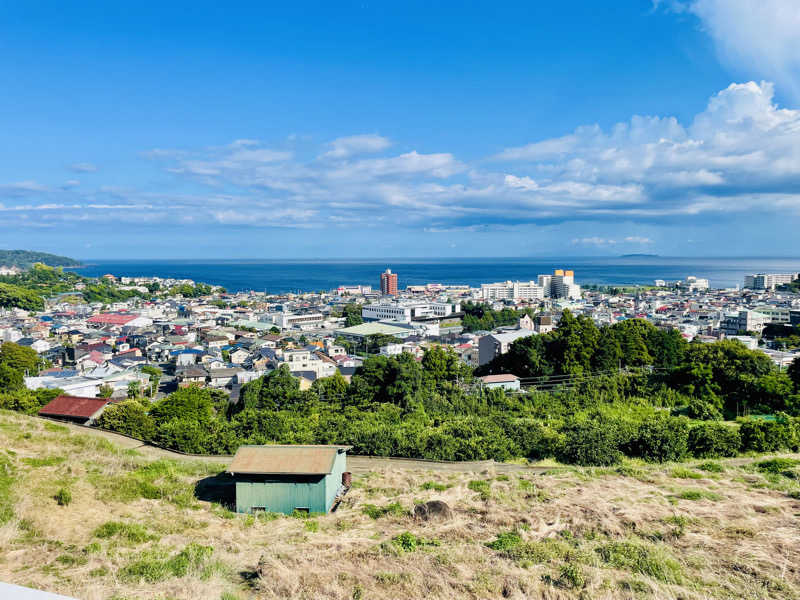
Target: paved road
<point x="360" y="464"/>
<point x="356" y="464"/>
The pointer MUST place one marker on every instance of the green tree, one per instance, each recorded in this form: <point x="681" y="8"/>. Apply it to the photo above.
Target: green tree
<point x="129" y="417"/>
<point x="352" y="315"/>
<point x="155" y="377"/>
<point x="105" y="391"/>
<point x="20" y="358"/>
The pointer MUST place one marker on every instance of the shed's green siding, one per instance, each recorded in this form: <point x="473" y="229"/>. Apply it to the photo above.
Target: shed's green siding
<point x="334" y="480"/>
<point x="285" y="493"/>
<point x="280" y="495"/>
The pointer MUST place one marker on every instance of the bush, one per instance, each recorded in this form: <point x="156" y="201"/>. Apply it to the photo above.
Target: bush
<point x="714" y="440"/>
<point x="777" y="465"/>
<point x="63" y="497"/>
<point x="593" y="442"/>
<point x="767" y="436"/>
<point x="661" y="439"/>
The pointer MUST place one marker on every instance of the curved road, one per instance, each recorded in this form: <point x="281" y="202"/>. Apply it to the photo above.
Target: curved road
<point x="359" y="464"/>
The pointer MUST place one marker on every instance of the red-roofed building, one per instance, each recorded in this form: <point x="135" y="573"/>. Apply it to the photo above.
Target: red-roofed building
<point x="507" y="381"/>
<point x="75" y="408"/>
<point x="112" y="318"/>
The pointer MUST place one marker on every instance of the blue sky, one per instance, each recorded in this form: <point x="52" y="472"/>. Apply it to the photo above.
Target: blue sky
<point x="338" y="129"/>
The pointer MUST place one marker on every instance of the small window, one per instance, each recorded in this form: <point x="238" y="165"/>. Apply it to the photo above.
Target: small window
<point x="302" y="509"/>
<point x="258" y="509"/>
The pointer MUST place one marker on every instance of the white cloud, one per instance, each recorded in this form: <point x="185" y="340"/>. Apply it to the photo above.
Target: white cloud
<point x="755" y="37"/>
<point x="21" y="188"/>
<point x="594" y="241"/>
<point x="344" y="147"/>
<point x="83" y="167"/>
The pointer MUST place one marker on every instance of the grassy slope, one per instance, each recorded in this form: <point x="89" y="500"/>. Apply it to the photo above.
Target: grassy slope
<point x="134" y="529"/>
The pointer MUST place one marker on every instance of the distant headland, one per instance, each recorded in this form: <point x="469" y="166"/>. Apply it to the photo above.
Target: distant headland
<point x="25" y="259"/>
<point x="639" y="256"/>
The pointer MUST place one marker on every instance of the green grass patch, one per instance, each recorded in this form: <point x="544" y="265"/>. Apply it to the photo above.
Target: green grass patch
<point x="56" y="428"/>
<point x="48" y="461"/>
<point x="6" y="482"/>
<point x="153" y="566"/>
<point x="63" y="497"/>
<point x="684" y="473"/>
<point x="698" y="495"/>
<point x="129" y="532"/>
<point x="408" y="542"/>
<point x="159" y="480"/>
<point x="710" y="467"/>
<point x="510" y="545"/>
<point x="436" y="486"/>
<point x="481" y="486"/>
<point x="395" y="509"/>
<point x="645" y="560"/>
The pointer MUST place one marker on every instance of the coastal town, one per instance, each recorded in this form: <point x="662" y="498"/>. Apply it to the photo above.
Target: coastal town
<point x="220" y="340"/>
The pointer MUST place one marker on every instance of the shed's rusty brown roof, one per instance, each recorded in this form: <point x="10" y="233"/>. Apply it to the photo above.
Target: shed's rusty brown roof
<point x="285" y="460"/>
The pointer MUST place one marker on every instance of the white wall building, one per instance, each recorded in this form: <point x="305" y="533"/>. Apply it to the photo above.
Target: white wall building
<point x="769" y="281"/>
<point x="512" y="290"/>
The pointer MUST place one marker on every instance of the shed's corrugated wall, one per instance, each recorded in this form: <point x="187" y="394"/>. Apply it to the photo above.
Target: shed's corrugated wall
<point x="334" y="480"/>
<point x="281" y="496"/>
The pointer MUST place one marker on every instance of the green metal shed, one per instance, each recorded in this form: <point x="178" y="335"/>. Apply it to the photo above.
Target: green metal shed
<point x="287" y="478"/>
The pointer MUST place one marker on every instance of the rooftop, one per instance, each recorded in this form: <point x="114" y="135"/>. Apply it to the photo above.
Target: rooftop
<point x="285" y="460"/>
<point x="372" y="329"/>
<point x="73" y="406"/>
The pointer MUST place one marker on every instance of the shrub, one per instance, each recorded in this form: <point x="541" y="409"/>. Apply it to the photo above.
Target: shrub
<point x="408" y="542"/>
<point x="713" y="440"/>
<point x="777" y="465"/>
<point x="571" y="577"/>
<point x="661" y="439"/>
<point x="592" y="442"/>
<point x="505" y="540"/>
<point x="63" y="497"/>
<point x="766" y="436"/>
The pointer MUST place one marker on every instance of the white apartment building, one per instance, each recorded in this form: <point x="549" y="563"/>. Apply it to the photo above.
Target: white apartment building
<point x="768" y="281"/>
<point x="512" y="290"/>
<point x="692" y="284"/>
<point x="561" y="284"/>
<point x="288" y="320"/>
<point x="405" y="312"/>
<point x="744" y="320"/>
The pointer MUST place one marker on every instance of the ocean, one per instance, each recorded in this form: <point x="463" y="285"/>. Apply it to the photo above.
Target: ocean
<point x="281" y="276"/>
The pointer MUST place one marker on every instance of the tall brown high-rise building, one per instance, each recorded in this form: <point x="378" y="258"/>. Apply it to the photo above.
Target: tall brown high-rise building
<point x="389" y="283"/>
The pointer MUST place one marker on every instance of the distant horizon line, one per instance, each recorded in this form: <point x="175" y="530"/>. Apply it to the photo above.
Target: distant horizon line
<point x="430" y="258"/>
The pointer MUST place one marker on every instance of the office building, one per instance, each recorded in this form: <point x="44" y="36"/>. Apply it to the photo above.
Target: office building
<point x="769" y="281"/>
<point x="389" y="283"/>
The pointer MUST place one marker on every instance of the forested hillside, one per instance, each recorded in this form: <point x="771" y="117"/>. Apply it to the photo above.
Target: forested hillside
<point x="25" y="259"/>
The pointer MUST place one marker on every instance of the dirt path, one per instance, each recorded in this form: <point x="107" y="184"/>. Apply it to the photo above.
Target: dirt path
<point x="359" y="464"/>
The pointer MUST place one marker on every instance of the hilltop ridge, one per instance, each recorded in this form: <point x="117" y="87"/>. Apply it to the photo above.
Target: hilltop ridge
<point x="25" y="259"/>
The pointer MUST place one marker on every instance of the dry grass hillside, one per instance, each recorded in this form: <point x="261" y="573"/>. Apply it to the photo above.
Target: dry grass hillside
<point x="83" y="517"/>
